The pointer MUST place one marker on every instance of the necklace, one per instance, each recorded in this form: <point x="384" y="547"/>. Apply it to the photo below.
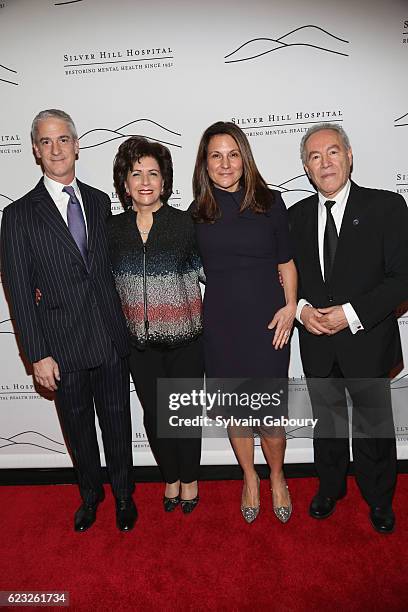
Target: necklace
<point x="144" y="231"/>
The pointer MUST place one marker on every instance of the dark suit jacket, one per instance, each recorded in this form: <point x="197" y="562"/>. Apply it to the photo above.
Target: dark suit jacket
<point x="38" y="251"/>
<point x="370" y="271"/>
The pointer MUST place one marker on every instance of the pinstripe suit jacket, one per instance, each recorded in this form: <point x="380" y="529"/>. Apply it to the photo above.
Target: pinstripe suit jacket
<point x="38" y="251"/>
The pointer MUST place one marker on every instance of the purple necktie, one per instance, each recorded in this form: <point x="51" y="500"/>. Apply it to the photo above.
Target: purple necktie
<point x="76" y="223"/>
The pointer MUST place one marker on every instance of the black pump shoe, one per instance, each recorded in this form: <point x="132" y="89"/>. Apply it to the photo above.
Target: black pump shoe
<point x="188" y="505"/>
<point x="170" y="503"/>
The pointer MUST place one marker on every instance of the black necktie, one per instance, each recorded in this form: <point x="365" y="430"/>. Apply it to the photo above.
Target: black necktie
<point x="330" y="241"/>
<point x="76" y="223"/>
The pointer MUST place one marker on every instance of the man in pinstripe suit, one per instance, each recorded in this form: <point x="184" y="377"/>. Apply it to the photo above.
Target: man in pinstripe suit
<point x="68" y="315"/>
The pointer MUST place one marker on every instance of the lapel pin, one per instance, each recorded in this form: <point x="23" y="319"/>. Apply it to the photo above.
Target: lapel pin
<point x="356" y="221"/>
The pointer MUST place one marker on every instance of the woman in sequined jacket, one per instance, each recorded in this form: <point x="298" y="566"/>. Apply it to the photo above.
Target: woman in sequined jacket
<point x="157" y="270"/>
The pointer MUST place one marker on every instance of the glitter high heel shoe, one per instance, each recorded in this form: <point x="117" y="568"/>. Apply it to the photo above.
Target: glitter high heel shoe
<point x="249" y="512"/>
<point x="282" y="513"/>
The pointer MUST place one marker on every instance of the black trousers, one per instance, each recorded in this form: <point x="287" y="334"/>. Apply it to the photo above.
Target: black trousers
<point x="177" y="458"/>
<point x="374" y="458"/>
<point x="107" y="388"/>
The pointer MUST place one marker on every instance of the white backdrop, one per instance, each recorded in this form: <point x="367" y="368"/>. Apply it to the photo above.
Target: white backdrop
<point x="168" y="69"/>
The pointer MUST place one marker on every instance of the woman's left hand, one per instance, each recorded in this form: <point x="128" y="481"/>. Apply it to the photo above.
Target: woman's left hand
<point x="283" y="322"/>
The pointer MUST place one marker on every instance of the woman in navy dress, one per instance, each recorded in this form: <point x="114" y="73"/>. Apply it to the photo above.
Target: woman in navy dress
<point x="243" y="237"/>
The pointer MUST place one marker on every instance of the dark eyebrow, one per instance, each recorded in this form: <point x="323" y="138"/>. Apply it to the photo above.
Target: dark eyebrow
<point x="61" y="136"/>
<point x="148" y="169"/>
<point x="333" y="146"/>
<point x="231" y="151"/>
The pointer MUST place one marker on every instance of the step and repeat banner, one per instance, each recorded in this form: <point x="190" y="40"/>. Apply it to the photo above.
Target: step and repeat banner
<point x="166" y="69"/>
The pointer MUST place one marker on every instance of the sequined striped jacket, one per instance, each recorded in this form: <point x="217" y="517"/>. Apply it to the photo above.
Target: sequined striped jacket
<point x="157" y="282"/>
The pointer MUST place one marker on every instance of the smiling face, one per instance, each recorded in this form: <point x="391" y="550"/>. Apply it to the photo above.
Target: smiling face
<point x="57" y="149"/>
<point x="224" y="162"/>
<point x="328" y="162"/>
<point x="145" y="184"/>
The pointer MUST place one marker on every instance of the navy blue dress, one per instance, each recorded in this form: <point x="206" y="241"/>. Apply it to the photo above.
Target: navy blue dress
<point x="240" y="254"/>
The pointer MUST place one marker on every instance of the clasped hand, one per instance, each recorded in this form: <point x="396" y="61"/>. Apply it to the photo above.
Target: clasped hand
<point x="283" y="322"/>
<point x="319" y="321"/>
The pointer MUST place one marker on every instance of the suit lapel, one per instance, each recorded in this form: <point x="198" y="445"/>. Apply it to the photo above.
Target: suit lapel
<point x="353" y="215"/>
<point x="50" y="214"/>
<point x="47" y="209"/>
<point x="311" y="233"/>
<point x="91" y="221"/>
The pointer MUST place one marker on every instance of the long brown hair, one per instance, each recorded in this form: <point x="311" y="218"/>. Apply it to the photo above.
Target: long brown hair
<point x="257" y="196"/>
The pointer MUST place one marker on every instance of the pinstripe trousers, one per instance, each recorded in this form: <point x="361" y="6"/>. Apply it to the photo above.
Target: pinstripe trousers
<point x="104" y="389"/>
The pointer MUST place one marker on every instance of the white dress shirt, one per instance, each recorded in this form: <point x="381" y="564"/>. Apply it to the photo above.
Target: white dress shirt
<point x="338" y="212"/>
<point x="61" y="199"/>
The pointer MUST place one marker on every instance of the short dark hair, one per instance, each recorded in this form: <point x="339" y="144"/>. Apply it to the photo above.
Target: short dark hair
<point x="133" y="150"/>
<point x="257" y="196"/>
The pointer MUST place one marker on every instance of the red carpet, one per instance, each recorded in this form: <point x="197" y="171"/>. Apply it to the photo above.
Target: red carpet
<point x="210" y="560"/>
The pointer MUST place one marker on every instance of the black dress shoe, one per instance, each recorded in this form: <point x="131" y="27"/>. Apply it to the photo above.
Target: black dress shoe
<point x="126" y="514"/>
<point x="188" y="505"/>
<point x="382" y="519"/>
<point x="322" y="507"/>
<point x="170" y="503"/>
<point x="85" y="516"/>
